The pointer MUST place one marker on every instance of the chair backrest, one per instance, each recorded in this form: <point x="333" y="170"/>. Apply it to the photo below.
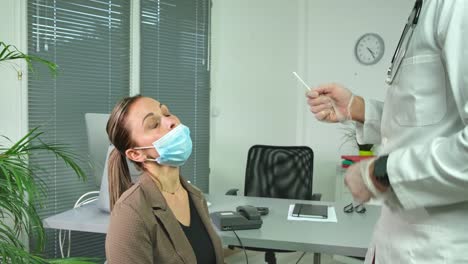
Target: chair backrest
<point x="279" y="172"/>
<point x="99" y="150"/>
<point x="98" y="142"/>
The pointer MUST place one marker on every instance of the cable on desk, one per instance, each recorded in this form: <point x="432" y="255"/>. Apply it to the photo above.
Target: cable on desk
<point x="78" y="203"/>
<point x="303" y="254"/>
<point x="240" y="242"/>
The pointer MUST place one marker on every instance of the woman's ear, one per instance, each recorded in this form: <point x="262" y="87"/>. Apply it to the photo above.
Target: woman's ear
<point x="135" y="155"/>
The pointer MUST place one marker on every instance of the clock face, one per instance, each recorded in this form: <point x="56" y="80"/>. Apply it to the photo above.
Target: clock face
<point x="369" y="49"/>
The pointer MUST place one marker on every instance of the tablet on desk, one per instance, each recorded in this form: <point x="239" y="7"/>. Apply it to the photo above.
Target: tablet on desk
<point x="310" y="211"/>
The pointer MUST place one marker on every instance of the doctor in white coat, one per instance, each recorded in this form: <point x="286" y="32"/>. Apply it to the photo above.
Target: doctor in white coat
<point x="422" y="169"/>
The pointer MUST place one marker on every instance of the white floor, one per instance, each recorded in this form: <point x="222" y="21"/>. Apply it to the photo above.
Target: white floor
<point x="281" y="258"/>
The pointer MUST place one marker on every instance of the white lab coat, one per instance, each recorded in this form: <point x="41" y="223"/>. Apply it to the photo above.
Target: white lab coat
<point x="423" y="125"/>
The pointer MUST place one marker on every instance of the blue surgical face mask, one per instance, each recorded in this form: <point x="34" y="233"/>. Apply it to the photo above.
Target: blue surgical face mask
<point x="174" y="148"/>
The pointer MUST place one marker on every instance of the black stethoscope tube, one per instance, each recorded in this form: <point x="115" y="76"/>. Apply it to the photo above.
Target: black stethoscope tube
<point x="399" y="51"/>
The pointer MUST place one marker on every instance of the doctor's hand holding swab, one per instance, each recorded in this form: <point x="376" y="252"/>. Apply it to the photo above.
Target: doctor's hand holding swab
<point x="331" y="102"/>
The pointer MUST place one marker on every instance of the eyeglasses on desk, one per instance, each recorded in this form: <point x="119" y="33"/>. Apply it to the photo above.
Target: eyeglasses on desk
<point x="360" y="208"/>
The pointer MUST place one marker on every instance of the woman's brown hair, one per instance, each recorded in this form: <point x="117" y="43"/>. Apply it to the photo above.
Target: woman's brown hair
<point x="119" y="136"/>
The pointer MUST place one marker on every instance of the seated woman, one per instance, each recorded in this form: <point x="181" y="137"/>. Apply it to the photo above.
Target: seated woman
<point x="162" y="218"/>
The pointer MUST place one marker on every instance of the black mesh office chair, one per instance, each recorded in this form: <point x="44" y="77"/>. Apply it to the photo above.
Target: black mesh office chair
<point x="279" y="172"/>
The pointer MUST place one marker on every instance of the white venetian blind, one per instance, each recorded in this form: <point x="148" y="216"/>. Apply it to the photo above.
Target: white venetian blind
<point x="174" y="70"/>
<point x="89" y="40"/>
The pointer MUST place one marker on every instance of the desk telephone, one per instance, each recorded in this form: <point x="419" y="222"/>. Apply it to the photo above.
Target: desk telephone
<point x="245" y="217"/>
<point x="251" y="212"/>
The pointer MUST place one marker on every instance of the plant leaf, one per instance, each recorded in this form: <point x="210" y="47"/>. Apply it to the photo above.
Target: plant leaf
<point x="10" y="52"/>
<point x="20" y="190"/>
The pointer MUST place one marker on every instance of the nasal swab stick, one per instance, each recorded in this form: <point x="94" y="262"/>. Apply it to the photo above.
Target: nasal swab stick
<point x="308" y="88"/>
<point x="302" y="81"/>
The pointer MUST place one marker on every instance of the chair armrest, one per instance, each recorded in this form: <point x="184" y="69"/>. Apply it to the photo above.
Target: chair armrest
<point x="232" y="192"/>
<point x="316" y="197"/>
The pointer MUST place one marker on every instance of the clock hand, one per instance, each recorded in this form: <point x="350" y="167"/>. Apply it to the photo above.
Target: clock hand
<point x="371" y="52"/>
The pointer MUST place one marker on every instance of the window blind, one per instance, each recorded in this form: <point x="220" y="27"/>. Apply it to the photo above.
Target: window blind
<point x="174" y="49"/>
<point x="89" y="40"/>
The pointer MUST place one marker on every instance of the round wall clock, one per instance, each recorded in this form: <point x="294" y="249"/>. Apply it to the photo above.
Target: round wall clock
<point x="369" y="49"/>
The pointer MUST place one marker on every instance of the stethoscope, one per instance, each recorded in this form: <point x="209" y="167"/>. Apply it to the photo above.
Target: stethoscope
<point x="405" y="38"/>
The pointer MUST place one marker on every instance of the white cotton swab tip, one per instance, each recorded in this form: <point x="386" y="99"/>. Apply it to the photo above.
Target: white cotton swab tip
<point x="302" y="81"/>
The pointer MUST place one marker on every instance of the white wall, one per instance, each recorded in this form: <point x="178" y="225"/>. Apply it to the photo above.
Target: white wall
<point x="12" y="90"/>
<point x="255" y="99"/>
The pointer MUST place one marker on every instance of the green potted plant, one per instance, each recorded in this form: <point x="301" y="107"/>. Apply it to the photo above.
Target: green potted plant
<point x="349" y="135"/>
<point x="20" y="191"/>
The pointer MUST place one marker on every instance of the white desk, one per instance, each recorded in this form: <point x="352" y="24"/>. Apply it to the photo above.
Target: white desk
<point x="350" y="236"/>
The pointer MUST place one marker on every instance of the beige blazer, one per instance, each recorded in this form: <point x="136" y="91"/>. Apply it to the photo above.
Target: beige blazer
<point x="143" y="229"/>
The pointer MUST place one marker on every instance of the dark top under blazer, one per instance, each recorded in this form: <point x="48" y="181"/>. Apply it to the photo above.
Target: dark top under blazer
<point x="198" y="237"/>
<point x="143" y="229"/>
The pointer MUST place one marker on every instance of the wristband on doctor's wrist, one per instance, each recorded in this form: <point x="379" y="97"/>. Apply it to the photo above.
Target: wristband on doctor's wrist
<point x="380" y="171"/>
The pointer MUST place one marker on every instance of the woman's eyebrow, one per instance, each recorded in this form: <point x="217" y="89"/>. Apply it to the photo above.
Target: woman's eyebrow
<point x="148" y="115"/>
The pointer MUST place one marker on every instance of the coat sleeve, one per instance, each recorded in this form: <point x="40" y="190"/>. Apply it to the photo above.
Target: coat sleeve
<point x="436" y="174"/>
<point x="369" y="132"/>
<point x="128" y="238"/>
